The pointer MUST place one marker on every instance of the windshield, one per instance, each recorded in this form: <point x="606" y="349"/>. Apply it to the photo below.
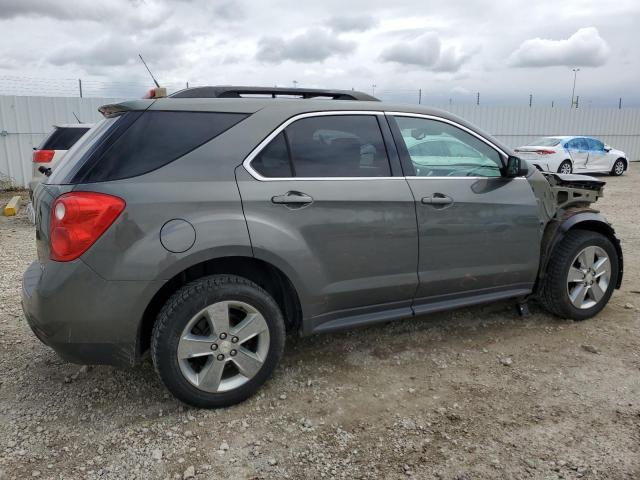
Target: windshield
<point x="545" y="141"/>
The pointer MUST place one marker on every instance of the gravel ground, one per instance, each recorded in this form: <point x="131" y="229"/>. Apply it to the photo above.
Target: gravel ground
<point x="471" y="394"/>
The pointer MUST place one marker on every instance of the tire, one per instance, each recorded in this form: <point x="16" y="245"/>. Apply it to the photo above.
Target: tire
<point x="179" y="331"/>
<point x="619" y="166"/>
<point x="564" y="165"/>
<point x="555" y="289"/>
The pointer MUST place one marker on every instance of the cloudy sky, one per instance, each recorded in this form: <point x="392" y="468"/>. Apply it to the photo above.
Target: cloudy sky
<point x="450" y="49"/>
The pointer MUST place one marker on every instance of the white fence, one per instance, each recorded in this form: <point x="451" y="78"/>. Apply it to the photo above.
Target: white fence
<point x="25" y="121"/>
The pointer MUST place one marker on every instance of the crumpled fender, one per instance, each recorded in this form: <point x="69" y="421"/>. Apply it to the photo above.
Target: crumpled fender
<point x="579" y="217"/>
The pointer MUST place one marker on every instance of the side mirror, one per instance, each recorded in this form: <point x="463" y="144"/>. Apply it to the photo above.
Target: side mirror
<point x="607" y="148"/>
<point x="514" y="167"/>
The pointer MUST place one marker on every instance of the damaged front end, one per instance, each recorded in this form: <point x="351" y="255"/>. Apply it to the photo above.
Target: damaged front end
<point x="574" y="190"/>
<point x="564" y="202"/>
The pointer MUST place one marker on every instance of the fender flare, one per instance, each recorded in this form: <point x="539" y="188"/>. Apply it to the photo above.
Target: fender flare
<point x="585" y="218"/>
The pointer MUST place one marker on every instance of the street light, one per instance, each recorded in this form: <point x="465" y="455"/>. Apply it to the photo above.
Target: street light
<point x="373" y="90"/>
<point x="575" y="74"/>
<point x="295" y="84"/>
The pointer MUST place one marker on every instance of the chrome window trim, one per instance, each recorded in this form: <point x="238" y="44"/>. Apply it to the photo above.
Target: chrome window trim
<point x="254" y="153"/>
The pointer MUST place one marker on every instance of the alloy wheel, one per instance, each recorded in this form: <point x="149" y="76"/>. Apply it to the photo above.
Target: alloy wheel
<point x="223" y="346"/>
<point x="619" y="168"/>
<point x="589" y="277"/>
<point x="565" y="168"/>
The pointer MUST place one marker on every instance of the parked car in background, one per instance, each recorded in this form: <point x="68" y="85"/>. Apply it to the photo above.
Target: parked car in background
<point x="205" y="226"/>
<point x="566" y="154"/>
<point x="53" y="148"/>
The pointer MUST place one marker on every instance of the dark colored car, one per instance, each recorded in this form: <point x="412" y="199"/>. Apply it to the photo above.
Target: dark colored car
<point x="205" y="226"/>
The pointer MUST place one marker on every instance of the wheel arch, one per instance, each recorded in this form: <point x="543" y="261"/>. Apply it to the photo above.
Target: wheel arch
<point x="264" y="274"/>
<point x="584" y="219"/>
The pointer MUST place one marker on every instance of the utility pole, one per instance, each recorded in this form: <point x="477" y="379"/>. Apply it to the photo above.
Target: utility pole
<point x="419" y="96"/>
<point x="573" y="91"/>
<point x="80" y="86"/>
<point x="478" y="98"/>
<point x="530" y="99"/>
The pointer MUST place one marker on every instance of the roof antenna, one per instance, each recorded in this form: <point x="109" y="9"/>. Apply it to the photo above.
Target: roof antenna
<point x="155" y="92"/>
<point x="74" y="114"/>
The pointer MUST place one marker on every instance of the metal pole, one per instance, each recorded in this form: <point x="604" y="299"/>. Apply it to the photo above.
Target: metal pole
<point x="187" y="84"/>
<point x="80" y="86"/>
<point x="295" y="84"/>
<point x="478" y="98"/>
<point x="573" y="91"/>
<point x="551" y="103"/>
<point x="577" y="100"/>
<point x="373" y="90"/>
<point x="530" y="99"/>
<point x="620" y="103"/>
<point x="419" y="96"/>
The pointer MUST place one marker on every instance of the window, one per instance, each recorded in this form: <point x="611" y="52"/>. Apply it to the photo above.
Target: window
<point x="595" y="145"/>
<point x="273" y="160"/>
<point x="338" y="146"/>
<point x="63" y="138"/>
<point x="440" y="149"/>
<point x="144" y="141"/>
<point x="578" y="144"/>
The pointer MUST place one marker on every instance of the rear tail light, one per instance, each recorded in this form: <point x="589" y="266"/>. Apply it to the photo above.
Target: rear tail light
<point x="43" y="156"/>
<point x="78" y="219"/>
<point x="545" y="152"/>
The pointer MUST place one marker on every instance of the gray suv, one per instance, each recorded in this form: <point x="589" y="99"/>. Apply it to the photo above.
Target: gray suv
<point x="204" y="227"/>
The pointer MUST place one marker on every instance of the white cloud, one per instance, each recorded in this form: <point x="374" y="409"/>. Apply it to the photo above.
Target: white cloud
<point x="585" y="48"/>
<point x="426" y="51"/>
<point x="314" y="45"/>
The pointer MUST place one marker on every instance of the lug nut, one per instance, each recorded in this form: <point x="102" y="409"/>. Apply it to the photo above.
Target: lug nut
<point x="214" y="346"/>
<point x="223" y="336"/>
<point x="220" y="357"/>
<point x="234" y="339"/>
<point x="233" y="353"/>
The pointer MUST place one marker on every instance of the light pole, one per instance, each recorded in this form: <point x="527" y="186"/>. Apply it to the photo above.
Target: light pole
<point x="573" y="91"/>
<point x="373" y="90"/>
<point x="295" y="84"/>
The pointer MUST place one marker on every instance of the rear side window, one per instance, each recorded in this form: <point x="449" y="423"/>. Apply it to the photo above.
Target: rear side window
<point x="142" y="142"/>
<point x="273" y="160"/>
<point x="338" y="146"/>
<point x="63" y="138"/>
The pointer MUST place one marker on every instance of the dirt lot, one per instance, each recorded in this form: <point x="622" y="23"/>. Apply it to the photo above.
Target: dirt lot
<point x="473" y="394"/>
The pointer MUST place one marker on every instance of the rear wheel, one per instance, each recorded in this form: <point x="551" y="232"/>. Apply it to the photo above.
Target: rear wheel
<point x="565" y="167"/>
<point x="217" y="340"/>
<point x="618" y="167"/>
<point x="581" y="275"/>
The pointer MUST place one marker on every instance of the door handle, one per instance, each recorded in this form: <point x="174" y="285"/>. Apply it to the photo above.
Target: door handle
<point x="437" y="199"/>
<point x="292" y="198"/>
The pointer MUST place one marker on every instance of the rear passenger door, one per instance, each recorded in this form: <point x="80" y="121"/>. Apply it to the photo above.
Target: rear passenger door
<point x="326" y="202"/>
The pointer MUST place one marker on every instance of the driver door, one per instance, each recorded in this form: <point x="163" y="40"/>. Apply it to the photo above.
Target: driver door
<point x="579" y="152"/>
<point x="479" y="233"/>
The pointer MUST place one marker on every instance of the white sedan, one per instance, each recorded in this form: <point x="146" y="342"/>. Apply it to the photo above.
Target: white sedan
<point x="573" y="155"/>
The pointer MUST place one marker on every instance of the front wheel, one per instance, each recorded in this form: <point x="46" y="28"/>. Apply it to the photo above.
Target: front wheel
<point x="581" y="275"/>
<point x="217" y="340"/>
<point x="618" y="168"/>
<point x="565" y="167"/>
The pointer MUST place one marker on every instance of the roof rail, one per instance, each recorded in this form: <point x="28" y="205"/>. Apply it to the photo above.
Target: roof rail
<point x="229" y="91"/>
